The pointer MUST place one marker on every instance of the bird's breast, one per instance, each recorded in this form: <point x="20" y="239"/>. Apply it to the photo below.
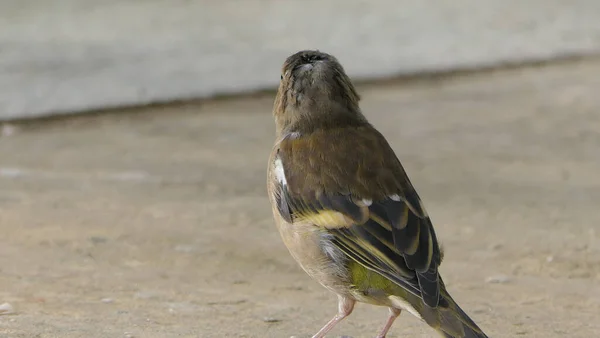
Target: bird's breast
<point x="317" y="255"/>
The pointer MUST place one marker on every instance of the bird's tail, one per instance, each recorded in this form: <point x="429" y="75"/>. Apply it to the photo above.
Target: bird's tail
<point x="450" y="320"/>
<point x="458" y="325"/>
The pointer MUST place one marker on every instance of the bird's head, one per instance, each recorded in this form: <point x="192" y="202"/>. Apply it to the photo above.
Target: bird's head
<point x="315" y="92"/>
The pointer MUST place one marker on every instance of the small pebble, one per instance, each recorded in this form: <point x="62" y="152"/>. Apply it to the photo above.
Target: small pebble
<point x="500" y="279"/>
<point x="8" y="130"/>
<point x="107" y="300"/>
<point x="6" y="309"/>
<point x="11" y="172"/>
<point x="98" y="239"/>
<point x="550" y="259"/>
<point x="271" y="320"/>
<point x="495" y="246"/>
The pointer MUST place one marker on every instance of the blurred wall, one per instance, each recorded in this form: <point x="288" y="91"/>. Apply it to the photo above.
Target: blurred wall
<point x="74" y="55"/>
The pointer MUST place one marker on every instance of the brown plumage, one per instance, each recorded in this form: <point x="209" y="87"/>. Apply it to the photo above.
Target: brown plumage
<point x="345" y="207"/>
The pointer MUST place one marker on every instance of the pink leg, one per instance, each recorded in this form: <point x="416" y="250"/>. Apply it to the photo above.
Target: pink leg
<point x="345" y="307"/>
<point x="394" y="313"/>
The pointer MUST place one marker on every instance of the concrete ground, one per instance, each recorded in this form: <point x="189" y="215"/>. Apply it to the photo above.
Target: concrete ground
<point x="155" y="223"/>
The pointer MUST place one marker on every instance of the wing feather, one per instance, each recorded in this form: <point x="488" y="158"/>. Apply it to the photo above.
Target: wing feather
<point x="385" y="228"/>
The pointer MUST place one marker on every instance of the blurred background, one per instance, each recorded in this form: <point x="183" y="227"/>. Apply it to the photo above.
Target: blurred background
<point x="77" y="55"/>
<point x="134" y="137"/>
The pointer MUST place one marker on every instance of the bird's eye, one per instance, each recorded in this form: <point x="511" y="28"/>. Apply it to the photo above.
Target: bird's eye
<point x="281" y="77"/>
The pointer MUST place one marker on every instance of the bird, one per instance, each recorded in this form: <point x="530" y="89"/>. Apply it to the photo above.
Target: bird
<point x="345" y="207"/>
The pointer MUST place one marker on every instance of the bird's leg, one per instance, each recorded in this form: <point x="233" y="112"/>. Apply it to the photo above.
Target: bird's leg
<point x="345" y="307"/>
<point x="394" y="313"/>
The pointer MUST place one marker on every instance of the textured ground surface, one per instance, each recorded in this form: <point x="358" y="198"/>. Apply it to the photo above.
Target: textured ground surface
<point x="156" y="224"/>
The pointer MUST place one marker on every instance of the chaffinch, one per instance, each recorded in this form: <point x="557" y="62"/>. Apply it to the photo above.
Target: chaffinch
<point x="345" y="207"/>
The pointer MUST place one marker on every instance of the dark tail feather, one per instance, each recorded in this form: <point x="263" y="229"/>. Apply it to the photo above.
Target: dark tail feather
<point x="450" y="320"/>
<point x="469" y="333"/>
<point x="455" y="323"/>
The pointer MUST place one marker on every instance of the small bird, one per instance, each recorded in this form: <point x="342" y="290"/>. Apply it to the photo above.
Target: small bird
<point x="345" y="207"/>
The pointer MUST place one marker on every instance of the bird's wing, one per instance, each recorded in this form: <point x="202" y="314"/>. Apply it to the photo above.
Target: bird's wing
<point x="358" y="192"/>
